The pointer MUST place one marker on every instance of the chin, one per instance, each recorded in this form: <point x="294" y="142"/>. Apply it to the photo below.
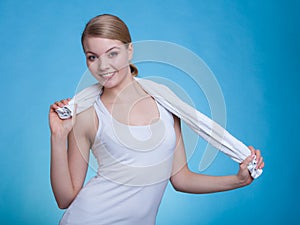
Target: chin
<point x="112" y="81"/>
<point x="115" y="80"/>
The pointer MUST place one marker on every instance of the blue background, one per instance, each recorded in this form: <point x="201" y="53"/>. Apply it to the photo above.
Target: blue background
<point x="251" y="46"/>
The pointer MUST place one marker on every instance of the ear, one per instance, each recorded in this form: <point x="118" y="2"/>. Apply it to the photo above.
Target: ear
<point x="130" y="51"/>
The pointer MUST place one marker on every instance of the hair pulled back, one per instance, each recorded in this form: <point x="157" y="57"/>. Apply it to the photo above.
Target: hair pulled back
<point x="109" y="27"/>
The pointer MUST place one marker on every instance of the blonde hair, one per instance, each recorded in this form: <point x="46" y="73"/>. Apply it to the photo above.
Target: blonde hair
<point x="110" y="27"/>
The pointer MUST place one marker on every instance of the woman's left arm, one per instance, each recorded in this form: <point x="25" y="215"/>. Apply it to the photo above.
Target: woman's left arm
<point x="185" y="180"/>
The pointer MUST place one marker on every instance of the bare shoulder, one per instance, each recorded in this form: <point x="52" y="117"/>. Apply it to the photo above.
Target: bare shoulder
<point x="86" y="124"/>
<point x="177" y="122"/>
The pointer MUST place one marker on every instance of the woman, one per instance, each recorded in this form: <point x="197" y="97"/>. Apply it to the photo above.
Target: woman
<point x="137" y="142"/>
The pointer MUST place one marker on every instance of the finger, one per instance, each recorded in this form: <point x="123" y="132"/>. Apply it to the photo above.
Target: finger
<point x="259" y="158"/>
<point x="54" y="106"/>
<point x="60" y="103"/>
<point x="260" y="163"/>
<point x="65" y="101"/>
<point x="257" y="153"/>
<point x="252" y="150"/>
<point x="246" y="162"/>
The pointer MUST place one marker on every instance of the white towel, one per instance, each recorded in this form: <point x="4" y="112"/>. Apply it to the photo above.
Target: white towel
<point x="209" y="130"/>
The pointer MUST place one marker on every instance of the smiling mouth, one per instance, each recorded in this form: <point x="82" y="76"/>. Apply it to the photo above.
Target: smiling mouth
<point x="108" y="74"/>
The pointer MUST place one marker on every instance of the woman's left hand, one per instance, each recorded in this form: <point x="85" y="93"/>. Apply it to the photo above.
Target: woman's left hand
<point x="244" y="175"/>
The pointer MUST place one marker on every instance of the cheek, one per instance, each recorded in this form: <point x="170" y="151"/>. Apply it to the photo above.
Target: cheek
<point x="121" y="62"/>
<point x="92" y="68"/>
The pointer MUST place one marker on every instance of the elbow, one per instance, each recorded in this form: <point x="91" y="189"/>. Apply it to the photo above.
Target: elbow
<point x="64" y="199"/>
<point x="178" y="182"/>
<point x="63" y="204"/>
<point x="178" y="187"/>
<point x="181" y="180"/>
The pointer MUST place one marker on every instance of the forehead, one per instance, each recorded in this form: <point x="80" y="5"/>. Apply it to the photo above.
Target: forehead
<point x="100" y="45"/>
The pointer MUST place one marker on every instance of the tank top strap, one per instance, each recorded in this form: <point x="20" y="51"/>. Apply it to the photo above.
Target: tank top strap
<point x="165" y="115"/>
<point x="101" y="115"/>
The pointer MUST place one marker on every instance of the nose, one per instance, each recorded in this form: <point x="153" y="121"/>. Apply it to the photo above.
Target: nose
<point x="103" y="64"/>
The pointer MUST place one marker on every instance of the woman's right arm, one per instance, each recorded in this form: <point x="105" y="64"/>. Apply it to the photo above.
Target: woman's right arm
<point x="69" y="155"/>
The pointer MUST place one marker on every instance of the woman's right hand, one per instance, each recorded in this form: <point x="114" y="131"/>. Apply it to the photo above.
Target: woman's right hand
<point x="58" y="126"/>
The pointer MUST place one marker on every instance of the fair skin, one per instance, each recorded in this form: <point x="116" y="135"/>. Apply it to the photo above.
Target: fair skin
<point x="72" y="139"/>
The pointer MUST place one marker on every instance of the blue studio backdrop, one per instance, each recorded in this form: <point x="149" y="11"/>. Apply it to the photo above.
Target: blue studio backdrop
<point x="252" y="47"/>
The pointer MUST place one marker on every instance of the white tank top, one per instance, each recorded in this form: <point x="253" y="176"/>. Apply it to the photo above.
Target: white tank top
<point x="135" y="164"/>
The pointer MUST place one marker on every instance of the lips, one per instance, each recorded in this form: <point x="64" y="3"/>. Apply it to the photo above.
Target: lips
<point x="108" y="75"/>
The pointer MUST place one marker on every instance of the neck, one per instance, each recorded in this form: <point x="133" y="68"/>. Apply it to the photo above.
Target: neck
<point x="126" y="92"/>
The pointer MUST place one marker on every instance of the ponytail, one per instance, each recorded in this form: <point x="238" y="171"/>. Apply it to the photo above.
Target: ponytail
<point x="133" y="69"/>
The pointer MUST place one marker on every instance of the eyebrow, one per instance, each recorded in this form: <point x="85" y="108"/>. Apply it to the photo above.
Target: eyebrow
<point x="105" y="51"/>
<point x="112" y="49"/>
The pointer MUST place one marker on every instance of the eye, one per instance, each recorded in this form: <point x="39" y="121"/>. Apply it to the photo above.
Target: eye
<point x="91" y="58"/>
<point x="112" y="54"/>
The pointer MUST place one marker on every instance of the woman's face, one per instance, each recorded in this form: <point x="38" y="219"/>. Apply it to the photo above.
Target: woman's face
<point x="108" y="60"/>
